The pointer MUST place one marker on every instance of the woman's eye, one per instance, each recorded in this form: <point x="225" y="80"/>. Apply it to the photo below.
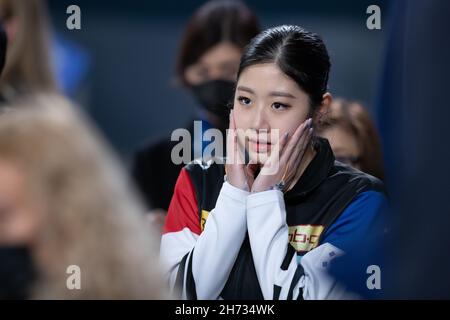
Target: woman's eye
<point x="279" y="106"/>
<point x="244" y="100"/>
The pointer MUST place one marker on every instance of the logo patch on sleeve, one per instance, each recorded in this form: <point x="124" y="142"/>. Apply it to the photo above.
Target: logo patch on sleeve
<point x="304" y="237"/>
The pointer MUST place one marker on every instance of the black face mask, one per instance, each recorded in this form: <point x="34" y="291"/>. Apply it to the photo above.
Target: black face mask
<point x="215" y="96"/>
<point x="17" y="272"/>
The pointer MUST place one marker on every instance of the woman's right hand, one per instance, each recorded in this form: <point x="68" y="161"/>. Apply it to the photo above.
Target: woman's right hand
<point x="238" y="174"/>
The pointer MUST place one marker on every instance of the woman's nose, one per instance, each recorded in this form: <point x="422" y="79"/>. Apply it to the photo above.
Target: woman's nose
<point x="259" y="121"/>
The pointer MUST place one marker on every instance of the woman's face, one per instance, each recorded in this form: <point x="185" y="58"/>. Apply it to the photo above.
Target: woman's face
<point x="267" y="105"/>
<point x="219" y="62"/>
<point x="19" y="219"/>
<point x="344" y="145"/>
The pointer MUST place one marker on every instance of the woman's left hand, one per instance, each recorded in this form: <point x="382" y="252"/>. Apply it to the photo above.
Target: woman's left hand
<point x="281" y="167"/>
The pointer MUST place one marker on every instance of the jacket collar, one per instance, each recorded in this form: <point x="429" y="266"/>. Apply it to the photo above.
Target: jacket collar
<point x="316" y="172"/>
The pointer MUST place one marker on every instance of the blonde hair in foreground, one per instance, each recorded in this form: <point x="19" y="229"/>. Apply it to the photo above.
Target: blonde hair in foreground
<point x="91" y="218"/>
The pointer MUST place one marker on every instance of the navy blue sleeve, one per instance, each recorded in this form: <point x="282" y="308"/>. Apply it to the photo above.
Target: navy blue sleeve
<point x="361" y="216"/>
<point x="361" y="232"/>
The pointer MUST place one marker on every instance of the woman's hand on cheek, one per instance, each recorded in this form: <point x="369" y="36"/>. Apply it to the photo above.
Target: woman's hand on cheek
<point x="237" y="174"/>
<point x="281" y="167"/>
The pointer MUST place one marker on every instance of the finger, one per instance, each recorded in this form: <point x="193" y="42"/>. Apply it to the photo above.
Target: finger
<point x="298" y="155"/>
<point x="283" y="142"/>
<point x="303" y="141"/>
<point x="236" y="153"/>
<point x="231" y="140"/>
<point x="240" y="154"/>
<point x="293" y="141"/>
<point x="294" y="164"/>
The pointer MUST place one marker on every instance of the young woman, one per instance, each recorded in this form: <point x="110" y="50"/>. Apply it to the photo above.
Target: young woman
<point x="269" y="229"/>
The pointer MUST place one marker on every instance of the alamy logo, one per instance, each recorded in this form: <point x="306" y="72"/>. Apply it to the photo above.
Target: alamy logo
<point x="374" y="20"/>
<point x="73" y="281"/>
<point x="374" y="280"/>
<point x="73" y="22"/>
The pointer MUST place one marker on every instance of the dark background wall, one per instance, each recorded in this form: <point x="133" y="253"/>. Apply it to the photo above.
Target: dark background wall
<point x="133" y="44"/>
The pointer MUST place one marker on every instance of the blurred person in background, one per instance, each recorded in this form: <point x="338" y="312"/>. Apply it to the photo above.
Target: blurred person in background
<point x="207" y="65"/>
<point x="353" y="136"/>
<point x="65" y="201"/>
<point x="28" y="64"/>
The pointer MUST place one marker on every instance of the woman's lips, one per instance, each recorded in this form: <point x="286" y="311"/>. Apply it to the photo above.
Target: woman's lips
<point x="259" y="146"/>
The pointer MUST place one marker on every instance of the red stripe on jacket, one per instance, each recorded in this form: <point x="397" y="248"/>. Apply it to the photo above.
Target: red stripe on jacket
<point x="183" y="208"/>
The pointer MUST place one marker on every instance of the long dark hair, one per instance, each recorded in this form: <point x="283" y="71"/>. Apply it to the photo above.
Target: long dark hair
<point x="300" y="54"/>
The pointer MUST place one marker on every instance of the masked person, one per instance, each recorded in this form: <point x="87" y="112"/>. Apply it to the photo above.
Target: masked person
<point x="207" y="65"/>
